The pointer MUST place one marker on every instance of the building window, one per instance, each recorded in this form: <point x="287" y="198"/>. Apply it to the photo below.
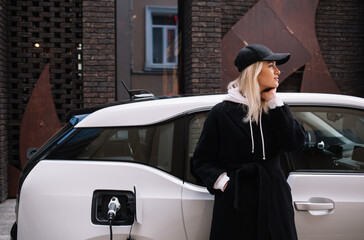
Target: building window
<point x="161" y="37"/>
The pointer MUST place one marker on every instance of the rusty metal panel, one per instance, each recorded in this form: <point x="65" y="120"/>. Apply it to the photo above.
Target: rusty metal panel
<point x="283" y="26"/>
<point x="299" y="18"/>
<point x="316" y="77"/>
<point x="229" y="49"/>
<point x="40" y="119"/>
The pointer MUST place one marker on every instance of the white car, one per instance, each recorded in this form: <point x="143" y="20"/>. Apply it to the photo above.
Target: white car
<point x="140" y="153"/>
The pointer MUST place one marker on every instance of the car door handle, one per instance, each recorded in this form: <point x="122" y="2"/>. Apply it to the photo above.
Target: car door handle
<point x="306" y="206"/>
<point x="315" y="206"/>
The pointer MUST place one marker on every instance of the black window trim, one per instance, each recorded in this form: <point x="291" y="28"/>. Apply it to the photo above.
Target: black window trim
<point x="178" y="173"/>
<point x="320" y="171"/>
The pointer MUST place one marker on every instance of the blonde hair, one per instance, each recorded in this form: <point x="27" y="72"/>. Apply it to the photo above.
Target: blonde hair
<point x="248" y="86"/>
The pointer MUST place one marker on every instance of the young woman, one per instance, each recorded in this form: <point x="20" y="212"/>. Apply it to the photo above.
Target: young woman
<point x="238" y="153"/>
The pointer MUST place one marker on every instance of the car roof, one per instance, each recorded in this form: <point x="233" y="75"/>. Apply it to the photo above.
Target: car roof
<point x="159" y="110"/>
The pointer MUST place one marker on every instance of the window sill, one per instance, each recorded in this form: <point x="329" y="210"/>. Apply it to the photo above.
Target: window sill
<point x="169" y="71"/>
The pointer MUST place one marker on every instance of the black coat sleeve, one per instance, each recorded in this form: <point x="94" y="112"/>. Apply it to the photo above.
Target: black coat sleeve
<point x="290" y="133"/>
<point x="204" y="161"/>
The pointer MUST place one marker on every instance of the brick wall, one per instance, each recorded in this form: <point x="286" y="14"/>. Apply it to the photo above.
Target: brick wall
<point x="233" y="11"/>
<point x="77" y="38"/>
<point x="98" y="52"/>
<point x="56" y="27"/>
<point x="3" y="106"/>
<point x="184" y="23"/>
<point x="202" y="29"/>
<point x="339" y="31"/>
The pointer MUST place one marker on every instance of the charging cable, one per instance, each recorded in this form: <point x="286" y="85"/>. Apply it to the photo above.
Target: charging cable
<point x="114" y="206"/>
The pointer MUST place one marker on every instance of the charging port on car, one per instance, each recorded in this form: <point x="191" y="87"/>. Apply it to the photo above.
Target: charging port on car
<point x="100" y="207"/>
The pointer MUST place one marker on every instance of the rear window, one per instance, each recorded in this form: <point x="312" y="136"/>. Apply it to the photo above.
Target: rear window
<point x="159" y="145"/>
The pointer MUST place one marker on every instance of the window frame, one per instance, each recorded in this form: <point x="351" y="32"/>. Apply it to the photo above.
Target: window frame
<point x="177" y="154"/>
<point x="149" y="11"/>
<point x="188" y="177"/>
<point x="286" y="158"/>
<point x="291" y="158"/>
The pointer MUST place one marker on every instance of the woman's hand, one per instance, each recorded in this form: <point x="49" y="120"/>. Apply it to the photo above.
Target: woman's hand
<point x="268" y="95"/>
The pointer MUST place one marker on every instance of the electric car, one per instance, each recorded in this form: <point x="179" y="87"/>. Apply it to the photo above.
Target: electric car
<point x="139" y="153"/>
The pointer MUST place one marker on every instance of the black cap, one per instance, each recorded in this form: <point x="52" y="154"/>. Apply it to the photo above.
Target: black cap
<point x="256" y="52"/>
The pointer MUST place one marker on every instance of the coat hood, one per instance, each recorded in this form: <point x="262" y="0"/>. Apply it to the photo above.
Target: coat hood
<point x="235" y="96"/>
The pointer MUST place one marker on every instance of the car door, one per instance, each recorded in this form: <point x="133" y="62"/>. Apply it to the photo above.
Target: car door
<point x="66" y="195"/>
<point x="197" y="202"/>
<point x="327" y="180"/>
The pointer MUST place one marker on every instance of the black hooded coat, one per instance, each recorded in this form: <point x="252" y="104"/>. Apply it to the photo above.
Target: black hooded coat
<point x="257" y="202"/>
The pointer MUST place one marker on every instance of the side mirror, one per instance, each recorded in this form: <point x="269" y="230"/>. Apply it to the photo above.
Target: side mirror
<point x="30" y="152"/>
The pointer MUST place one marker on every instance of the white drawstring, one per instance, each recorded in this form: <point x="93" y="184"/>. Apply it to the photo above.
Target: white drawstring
<point x="261" y="134"/>
<point x="251" y="134"/>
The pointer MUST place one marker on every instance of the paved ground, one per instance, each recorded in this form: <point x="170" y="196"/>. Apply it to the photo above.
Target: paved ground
<point x="7" y="218"/>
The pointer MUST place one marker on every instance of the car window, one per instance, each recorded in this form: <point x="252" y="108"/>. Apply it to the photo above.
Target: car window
<point x="334" y="140"/>
<point x="157" y="145"/>
<point x="195" y="126"/>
